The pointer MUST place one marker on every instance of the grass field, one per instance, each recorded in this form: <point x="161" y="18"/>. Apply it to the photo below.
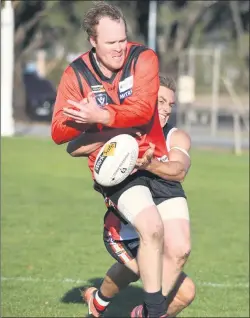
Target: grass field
<point x="51" y="234"/>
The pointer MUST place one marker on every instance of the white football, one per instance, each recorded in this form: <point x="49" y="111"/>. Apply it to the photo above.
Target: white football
<point x="116" y="160"/>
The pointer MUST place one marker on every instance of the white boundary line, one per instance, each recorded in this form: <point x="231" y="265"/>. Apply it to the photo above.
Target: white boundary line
<point x="80" y="281"/>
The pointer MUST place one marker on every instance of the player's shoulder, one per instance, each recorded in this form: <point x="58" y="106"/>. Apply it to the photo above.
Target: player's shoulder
<point x="146" y="53"/>
<point x="69" y="70"/>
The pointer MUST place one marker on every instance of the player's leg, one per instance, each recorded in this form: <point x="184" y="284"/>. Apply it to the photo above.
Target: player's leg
<point x="125" y="271"/>
<point x="177" y="244"/>
<point x="182" y="294"/>
<point x="118" y="277"/>
<point x="137" y="206"/>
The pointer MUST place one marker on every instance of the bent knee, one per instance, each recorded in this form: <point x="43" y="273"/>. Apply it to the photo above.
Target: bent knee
<point x="154" y="233"/>
<point x="178" y="253"/>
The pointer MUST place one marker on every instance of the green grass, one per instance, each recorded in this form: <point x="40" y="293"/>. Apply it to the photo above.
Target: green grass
<point x="51" y="230"/>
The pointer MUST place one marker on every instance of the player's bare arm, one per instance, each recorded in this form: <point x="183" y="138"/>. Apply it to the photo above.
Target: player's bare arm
<point x="180" y="144"/>
<point x="178" y="164"/>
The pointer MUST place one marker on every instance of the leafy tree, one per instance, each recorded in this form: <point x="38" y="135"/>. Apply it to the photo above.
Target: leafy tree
<point x="51" y="25"/>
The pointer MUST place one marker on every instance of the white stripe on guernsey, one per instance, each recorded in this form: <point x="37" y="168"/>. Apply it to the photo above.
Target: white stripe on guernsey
<point x="80" y="281"/>
<point x="122" y="252"/>
<point x="168" y="137"/>
<point x="124" y="257"/>
<point x="182" y="150"/>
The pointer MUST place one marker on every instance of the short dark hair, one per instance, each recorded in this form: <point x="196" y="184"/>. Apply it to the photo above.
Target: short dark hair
<point x="168" y="81"/>
<point x="100" y="9"/>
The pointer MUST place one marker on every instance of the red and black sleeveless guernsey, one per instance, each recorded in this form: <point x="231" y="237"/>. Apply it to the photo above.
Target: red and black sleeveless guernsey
<point x="130" y="96"/>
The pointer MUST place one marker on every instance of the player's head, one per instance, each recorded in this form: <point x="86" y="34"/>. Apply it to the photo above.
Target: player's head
<point x="166" y="98"/>
<point x="107" y="33"/>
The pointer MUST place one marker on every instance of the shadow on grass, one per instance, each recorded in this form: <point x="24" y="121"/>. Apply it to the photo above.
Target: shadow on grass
<point x="121" y="307"/>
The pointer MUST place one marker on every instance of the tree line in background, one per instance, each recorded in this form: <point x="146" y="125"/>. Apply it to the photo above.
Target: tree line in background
<point x="56" y="27"/>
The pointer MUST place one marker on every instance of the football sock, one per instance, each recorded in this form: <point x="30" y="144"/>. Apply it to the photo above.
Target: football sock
<point x="100" y="301"/>
<point x="154" y="304"/>
<point x="167" y="302"/>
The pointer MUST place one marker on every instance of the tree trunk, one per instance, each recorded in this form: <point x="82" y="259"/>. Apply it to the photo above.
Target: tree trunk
<point x="19" y="96"/>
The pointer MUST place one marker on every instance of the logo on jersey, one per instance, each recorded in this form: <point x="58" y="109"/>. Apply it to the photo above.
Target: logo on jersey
<point x="102" y="99"/>
<point x="125" y="87"/>
<point x="100" y="95"/>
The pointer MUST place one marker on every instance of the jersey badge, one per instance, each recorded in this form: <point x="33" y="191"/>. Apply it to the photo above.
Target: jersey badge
<point x="125" y="87"/>
<point x="100" y="95"/>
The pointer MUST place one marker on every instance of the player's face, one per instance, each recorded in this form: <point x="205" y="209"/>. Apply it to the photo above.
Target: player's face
<point x="110" y="43"/>
<point x="166" y="100"/>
